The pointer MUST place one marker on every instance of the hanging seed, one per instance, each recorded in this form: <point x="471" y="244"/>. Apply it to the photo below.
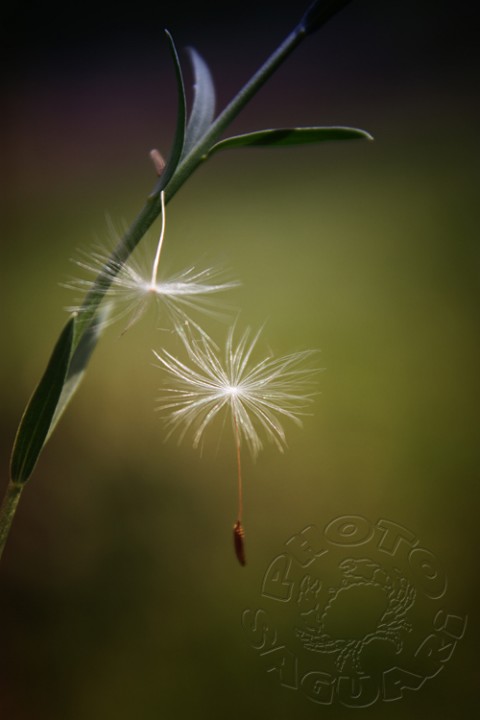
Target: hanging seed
<point x="239" y="542"/>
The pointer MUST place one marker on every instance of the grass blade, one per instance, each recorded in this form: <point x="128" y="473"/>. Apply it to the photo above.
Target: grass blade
<point x="77" y="367"/>
<point x="203" y="108"/>
<point x="281" y="137"/>
<point x="37" y="418"/>
<point x="179" y="139"/>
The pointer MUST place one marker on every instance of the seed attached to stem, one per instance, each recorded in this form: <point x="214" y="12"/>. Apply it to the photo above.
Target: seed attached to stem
<point x="134" y="285"/>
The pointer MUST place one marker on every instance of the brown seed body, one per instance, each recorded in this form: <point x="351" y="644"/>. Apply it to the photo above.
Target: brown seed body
<point x="239" y="542"/>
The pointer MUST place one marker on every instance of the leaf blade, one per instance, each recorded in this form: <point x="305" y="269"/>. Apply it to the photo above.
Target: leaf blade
<point x="77" y="367"/>
<point x="283" y="137"/>
<point x="36" y="420"/>
<point x="203" y="108"/>
<point x="179" y="138"/>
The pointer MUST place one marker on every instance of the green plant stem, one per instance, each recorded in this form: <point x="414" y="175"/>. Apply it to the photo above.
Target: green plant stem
<point x="197" y="155"/>
<point x="7" y="511"/>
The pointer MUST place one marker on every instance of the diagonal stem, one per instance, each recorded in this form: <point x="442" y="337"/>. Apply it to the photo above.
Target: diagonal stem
<point x="7" y="511"/>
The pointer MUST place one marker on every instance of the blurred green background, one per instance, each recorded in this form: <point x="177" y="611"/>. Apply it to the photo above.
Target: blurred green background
<point x="119" y="591"/>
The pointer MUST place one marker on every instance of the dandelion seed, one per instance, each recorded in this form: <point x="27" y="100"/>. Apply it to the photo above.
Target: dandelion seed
<point x="133" y="286"/>
<point x="258" y="396"/>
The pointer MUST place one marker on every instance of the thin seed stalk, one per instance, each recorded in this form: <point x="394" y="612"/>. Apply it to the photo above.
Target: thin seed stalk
<point x="239" y="468"/>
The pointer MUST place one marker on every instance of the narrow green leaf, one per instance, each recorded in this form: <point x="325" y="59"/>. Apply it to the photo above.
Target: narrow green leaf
<point x="37" y="418"/>
<point x="78" y="365"/>
<point x="179" y="139"/>
<point x="281" y="137"/>
<point x="203" y="108"/>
